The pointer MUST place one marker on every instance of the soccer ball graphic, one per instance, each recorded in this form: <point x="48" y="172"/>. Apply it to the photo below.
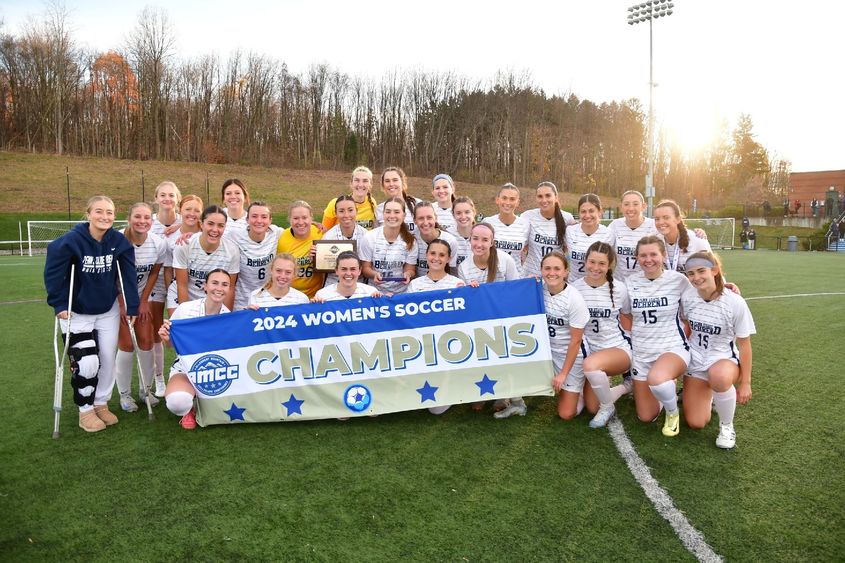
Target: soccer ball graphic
<point x="357" y="398"/>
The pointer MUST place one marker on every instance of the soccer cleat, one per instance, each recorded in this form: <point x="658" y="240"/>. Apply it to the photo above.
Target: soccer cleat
<point x="512" y="409"/>
<point x="104" y="414"/>
<point x="602" y="417"/>
<point x="160" y="386"/>
<point x="500" y="404"/>
<point x="189" y="421"/>
<point x="628" y="384"/>
<point x="672" y="424"/>
<point x="153" y="400"/>
<point x="127" y="403"/>
<point x="90" y="422"/>
<point x="727" y="437"/>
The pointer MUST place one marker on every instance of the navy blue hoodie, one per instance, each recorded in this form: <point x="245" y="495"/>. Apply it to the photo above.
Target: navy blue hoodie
<point x="95" y="281"/>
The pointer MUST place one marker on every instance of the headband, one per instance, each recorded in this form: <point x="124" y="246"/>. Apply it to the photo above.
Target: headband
<point x="443" y="177"/>
<point x="699" y="263"/>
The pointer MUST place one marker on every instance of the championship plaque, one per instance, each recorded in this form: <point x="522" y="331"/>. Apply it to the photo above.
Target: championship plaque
<point x="327" y="252"/>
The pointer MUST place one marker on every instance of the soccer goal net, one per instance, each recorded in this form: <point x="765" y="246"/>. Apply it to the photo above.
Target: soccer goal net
<point x="41" y="233"/>
<point x="720" y="231"/>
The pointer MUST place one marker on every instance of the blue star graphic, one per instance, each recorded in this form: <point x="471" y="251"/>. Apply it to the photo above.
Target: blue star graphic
<point x="293" y="405"/>
<point x="486" y="385"/>
<point x="427" y="392"/>
<point x="235" y="413"/>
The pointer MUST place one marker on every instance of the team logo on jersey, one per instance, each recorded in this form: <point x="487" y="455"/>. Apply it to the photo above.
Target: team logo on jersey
<point x="212" y="374"/>
<point x="357" y="398"/>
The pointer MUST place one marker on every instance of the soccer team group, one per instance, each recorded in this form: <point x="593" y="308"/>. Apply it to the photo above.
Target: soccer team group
<point x="644" y="298"/>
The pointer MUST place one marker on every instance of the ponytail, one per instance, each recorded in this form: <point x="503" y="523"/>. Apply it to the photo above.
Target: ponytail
<point x="607" y="250"/>
<point x="683" y="235"/>
<point x="560" y="222"/>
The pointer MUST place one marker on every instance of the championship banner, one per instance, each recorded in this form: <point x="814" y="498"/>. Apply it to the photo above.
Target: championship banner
<point x="368" y="356"/>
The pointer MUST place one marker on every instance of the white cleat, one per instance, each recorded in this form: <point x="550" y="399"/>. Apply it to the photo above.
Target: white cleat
<point x="602" y="417"/>
<point x="727" y="437"/>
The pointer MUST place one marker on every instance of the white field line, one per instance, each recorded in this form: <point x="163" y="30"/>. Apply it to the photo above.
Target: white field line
<point x="793" y="295"/>
<point x="692" y="539"/>
<point x="16" y="264"/>
<point x="23" y="301"/>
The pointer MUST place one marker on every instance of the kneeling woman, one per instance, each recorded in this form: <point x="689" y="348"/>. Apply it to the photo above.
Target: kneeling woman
<point x="567" y="315"/>
<point x="179" y="394"/>
<point x="661" y="351"/>
<point x="348" y="270"/>
<point x="278" y="291"/>
<point x="720" y="322"/>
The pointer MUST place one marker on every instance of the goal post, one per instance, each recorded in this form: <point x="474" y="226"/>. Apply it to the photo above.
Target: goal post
<point x="721" y="231"/>
<point x="41" y="233"/>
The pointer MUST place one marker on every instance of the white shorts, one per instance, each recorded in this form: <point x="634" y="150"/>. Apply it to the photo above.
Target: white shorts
<point x="158" y="293"/>
<point x="699" y="366"/>
<point x="172" y="296"/>
<point x="177" y="367"/>
<point x="574" y="382"/>
<point x="640" y="366"/>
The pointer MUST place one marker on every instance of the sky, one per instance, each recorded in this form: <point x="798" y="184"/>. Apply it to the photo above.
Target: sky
<point x="713" y="60"/>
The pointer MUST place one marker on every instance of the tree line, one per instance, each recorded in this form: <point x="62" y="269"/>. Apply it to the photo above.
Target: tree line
<point x="140" y="101"/>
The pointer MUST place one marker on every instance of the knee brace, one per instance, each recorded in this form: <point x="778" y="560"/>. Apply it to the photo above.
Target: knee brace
<point x="84" y="366"/>
<point x="179" y="402"/>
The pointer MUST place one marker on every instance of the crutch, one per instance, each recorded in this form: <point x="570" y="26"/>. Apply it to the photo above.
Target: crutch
<point x="142" y="386"/>
<point x="60" y="360"/>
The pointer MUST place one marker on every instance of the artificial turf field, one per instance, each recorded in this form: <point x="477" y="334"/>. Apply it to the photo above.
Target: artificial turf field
<point x="459" y="487"/>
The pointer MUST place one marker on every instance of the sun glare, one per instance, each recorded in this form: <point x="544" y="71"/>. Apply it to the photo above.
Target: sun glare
<point x="690" y="127"/>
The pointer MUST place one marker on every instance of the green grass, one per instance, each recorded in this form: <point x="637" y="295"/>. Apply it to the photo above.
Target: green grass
<point x="457" y="487"/>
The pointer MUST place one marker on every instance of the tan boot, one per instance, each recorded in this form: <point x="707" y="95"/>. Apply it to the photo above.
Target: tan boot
<point x="90" y="422"/>
<point x="105" y="415"/>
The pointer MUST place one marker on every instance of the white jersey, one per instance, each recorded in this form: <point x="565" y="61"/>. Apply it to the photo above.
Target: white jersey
<point x="149" y="253"/>
<point x="189" y="310"/>
<point x="263" y="298"/>
<point x="445" y="218"/>
<point x="577" y="243"/>
<point x="511" y="238"/>
<point x="715" y="325"/>
<point x="422" y="260"/>
<point x="409" y="216"/>
<point x="604" y="329"/>
<point x="464" y="250"/>
<point x="191" y="257"/>
<point x="330" y="292"/>
<point x="158" y="228"/>
<point x="676" y="259"/>
<point x="235" y="225"/>
<point x="542" y="239"/>
<point x="564" y="310"/>
<point x="388" y="258"/>
<point x="505" y="271"/>
<point x="425" y="283"/>
<point x="655" y="307"/>
<point x="624" y="241"/>
<point x="256" y="258"/>
<point x="335" y="233"/>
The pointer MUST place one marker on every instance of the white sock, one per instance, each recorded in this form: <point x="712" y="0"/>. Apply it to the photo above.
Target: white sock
<point x="617" y="391"/>
<point x="601" y="386"/>
<point x="666" y="393"/>
<point x="123" y="372"/>
<point x="580" y="405"/>
<point x="158" y="353"/>
<point x="146" y="357"/>
<point x="725" y="403"/>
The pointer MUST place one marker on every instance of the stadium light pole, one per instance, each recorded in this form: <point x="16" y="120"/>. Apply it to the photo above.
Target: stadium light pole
<point x="639" y="13"/>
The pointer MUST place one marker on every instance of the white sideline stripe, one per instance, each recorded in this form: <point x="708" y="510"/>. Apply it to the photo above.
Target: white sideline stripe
<point x="22" y="301"/>
<point x="692" y="539"/>
<point x="15" y="264"/>
<point x="793" y="295"/>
